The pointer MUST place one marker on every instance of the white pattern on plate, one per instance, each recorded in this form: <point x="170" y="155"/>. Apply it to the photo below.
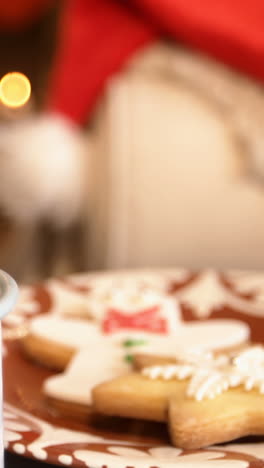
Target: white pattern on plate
<point x="19" y="448"/>
<point x="255" y="450"/>
<point x="49" y="435"/>
<point x="207" y="292"/>
<point x="203" y="294"/>
<point x="65" y="459"/>
<point x="163" y="457"/>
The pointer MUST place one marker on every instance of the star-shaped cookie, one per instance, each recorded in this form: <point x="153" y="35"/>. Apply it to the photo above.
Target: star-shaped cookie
<point x="205" y="399"/>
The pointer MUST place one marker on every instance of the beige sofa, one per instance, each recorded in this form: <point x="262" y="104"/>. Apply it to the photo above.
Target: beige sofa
<point x="177" y="166"/>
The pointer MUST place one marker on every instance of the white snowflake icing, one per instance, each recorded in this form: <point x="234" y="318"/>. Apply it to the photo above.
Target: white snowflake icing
<point x="211" y="375"/>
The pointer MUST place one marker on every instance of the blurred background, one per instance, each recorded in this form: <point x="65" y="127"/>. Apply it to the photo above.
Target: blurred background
<point x="141" y="143"/>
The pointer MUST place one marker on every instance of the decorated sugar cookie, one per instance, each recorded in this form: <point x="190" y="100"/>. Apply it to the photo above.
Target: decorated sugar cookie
<point x="127" y="323"/>
<point x="204" y="398"/>
<point x="115" y="352"/>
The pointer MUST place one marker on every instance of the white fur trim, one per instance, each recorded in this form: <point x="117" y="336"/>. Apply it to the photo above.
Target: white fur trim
<point x="43" y="170"/>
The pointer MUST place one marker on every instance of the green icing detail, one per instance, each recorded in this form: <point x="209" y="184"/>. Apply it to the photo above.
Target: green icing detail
<point x="130" y="342"/>
<point x="129" y="358"/>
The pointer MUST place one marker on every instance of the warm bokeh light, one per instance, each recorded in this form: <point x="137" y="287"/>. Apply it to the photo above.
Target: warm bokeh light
<point x="15" y="89"/>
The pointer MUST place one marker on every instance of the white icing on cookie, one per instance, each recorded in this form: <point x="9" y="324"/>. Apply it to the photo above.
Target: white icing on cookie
<point x="212" y="376"/>
<point x="88" y="368"/>
<point x="71" y="333"/>
<point x="207" y="335"/>
<point x="85" y="372"/>
<point x="129" y="294"/>
<point x="131" y="300"/>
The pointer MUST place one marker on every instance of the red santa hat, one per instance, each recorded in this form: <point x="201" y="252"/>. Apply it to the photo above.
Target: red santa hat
<point x="98" y="36"/>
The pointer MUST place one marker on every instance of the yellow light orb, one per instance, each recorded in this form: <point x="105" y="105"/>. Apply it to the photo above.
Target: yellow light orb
<point x="15" y="89"/>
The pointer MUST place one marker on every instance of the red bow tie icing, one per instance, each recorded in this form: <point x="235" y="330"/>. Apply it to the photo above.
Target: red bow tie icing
<point x="147" y="320"/>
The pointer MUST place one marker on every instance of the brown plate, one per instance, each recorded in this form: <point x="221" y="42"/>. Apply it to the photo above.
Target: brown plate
<point x="32" y="430"/>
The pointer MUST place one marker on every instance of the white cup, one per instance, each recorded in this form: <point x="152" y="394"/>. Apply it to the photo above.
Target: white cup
<point x="8" y="297"/>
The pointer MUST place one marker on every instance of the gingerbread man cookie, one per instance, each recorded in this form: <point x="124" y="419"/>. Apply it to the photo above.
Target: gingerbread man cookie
<point x="127" y="322"/>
